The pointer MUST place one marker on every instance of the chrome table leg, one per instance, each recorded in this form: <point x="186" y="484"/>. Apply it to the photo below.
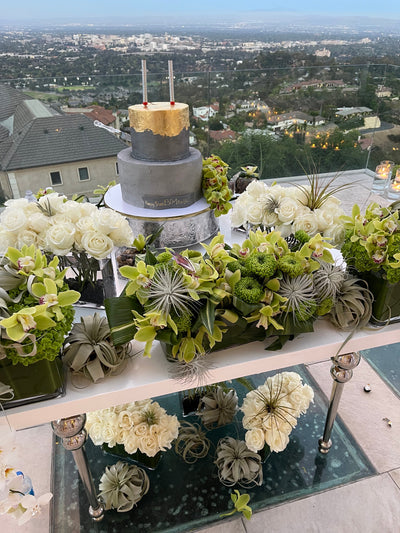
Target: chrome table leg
<point x="73" y="435"/>
<point x="341" y="372"/>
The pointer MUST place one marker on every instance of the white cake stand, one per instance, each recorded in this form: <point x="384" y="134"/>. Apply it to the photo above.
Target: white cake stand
<point x="182" y="227"/>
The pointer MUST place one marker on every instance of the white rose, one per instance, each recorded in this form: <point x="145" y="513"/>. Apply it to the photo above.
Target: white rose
<point x="60" y="218"/>
<point x="17" y="203"/>
<point x="255" y="439"/>
<point x="27" y="237"/>
<point x="149" y="445"/>
<point x="285" y="229"/>
<point x="306" y="223"/>
<point x="13" y="220"/>
<point x="96" y="244"/>
<point x="324" y="219"/>
<point x="60" y="238"/>
<point x="276" y="440"/>
<point x="72" y="210"/>
<point x="287" y="210"/>
<point x="52" y="201"/>
<point x="335" y="234"/>
<point x="255" y="213"/>
<point x="5" y="241"/>
<point x="96" y="432"/>
<point x="123" y="234"/>
<point x="131" y="442"/>
<point x="38" y="222"/>
<point x="85" y="224"/>
<point x="106" y="220"/>
<point x="256" y="189"/>
<point x="270" y="219"/>
<point x="238" y="214"/>
<point x="110" y="436"/>
<point x="87" y="209"/>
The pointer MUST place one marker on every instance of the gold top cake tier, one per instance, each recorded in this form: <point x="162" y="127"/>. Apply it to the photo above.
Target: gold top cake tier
<point x="161" y="118"/>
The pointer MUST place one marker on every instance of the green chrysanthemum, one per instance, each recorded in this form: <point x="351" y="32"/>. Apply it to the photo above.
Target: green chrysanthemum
<point x="262" y="264"/>
<point x="182" y="321"/>
<point x="238" y="265"/>
<point x="325" y="307"/>
<point x="290" y="265"/>
<point x="302" y="236"/>
<point x="306" y="310"/>
<point x="249" y="290"/>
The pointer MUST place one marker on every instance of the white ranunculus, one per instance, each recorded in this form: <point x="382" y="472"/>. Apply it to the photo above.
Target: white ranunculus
<point x="287" y="210"/>
<point x="123" y="234"/>
<point x="38" y="222"/>
<point x="255" y="439"/>
<point x="60" y="238"/>
<point x="27" y="237"/>
<point x="106" y="220"/>
<point x="13" y="219"/>
<point x="307" y="223"/>
<point x="238" y="214"/>
<point x="256" y="189"/>
<point x="96" y="244"/>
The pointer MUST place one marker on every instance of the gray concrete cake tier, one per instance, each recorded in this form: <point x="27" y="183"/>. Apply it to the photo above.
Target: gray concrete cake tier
<point x="182" y="228"/>
<point x="160" y="185"/>
<point x="149" y="147"/>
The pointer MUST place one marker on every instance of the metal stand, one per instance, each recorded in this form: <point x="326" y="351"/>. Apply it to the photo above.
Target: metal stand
<point x="73" y="439"/>
<point x="341" y="372"/>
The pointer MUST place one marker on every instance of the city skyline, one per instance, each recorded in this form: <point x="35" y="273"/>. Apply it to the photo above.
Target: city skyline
<point x="76" y="10"/>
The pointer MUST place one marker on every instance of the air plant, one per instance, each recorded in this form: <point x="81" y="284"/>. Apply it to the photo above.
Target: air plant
<point x="122" y="486"/>
<point x="194" y="371"/>
<point x="218" y="407"/>
<point x="353" y="305"/>
<point x="192" y="443"/>
<point x="237" y="464"/>
<point x="328" y="280"/>
<point x="300" y="296"/>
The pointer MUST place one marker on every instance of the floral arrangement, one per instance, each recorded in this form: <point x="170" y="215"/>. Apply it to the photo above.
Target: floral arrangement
<point x="372" y="241"/>
<point x="139" y="426"/>
<point x="35" y="306"/>
<point x="17" y="498"/>
<point x="271" y="411"/>
<point x="63" y="228"/>
<point x="215" y="185"/>
<point x="307" y="208"/>
<point x="188" y="301"/>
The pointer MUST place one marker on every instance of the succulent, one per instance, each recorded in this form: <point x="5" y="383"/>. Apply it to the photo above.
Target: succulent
<point x="353" y="305"/>
<point x="237" y="464"/>
<point x="217" y="407"/>
<point x="88" y="349"/>
<point x="192" y="443"/>
<point x="122" y="486"/>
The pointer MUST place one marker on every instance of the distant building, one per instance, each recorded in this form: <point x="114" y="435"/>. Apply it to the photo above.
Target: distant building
<point x="206" y="112"/>
<point x="283" y="121"/>
<point x="324" y="52"/>
<point x="223" y="135"/>
<point x="40" y="147"/>
<point x="383" y="92"/>
<point x="346" y="112"/>
<point x="94" y="112"/>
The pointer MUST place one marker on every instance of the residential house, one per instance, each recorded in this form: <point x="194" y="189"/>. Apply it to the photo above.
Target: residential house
<point x="40" y="147"/>
<point x="206" y="112"/>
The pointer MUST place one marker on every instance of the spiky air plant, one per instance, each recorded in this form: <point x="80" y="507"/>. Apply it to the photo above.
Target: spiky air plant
<point x="89" y="351"/>
<point x="237" y="465"/>
<point x="168" y="292"/>
<point x="328" y="280"/>
<point x="195" y="371"/>
<point x="122" y="486"/>
<point x="353" y="305"/>
<point x="317" y="192"/>
<point x="192" y="443"/>
<point x="271" y="204"/>
<point x="300" y="295"/>
<point x="218" y="407"/>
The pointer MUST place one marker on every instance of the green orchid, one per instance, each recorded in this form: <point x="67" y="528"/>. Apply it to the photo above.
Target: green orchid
<point x="26" y="319"/>
<point x="27" y="260"/>
<point x="217" y="253"/>
<point x="140" y="277"/>
<point x="47" y="293"/>
<point x="240" y="502"/>
<point x="188" y="348"/>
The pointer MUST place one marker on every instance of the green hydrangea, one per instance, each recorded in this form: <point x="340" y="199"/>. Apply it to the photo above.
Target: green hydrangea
<point x="325" y="306"/>
<point x="238" y="265"/>
<point x="261" y="264"/>
<point x="249" y="290"/>
<point x="302" y="236"/>
<point x="164" y="257"/>
<point x="183" y="322"/>
<point x="290" y="265"/>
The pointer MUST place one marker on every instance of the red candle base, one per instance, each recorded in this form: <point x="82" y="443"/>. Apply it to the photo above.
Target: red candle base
<point x="172" y="103"/>
<point x="145" y="104"/>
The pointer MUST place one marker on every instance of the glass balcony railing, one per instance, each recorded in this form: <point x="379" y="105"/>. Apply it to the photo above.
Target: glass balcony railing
<point x="283" y="120"/>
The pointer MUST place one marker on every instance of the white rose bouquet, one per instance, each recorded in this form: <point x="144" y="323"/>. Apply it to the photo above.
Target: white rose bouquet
<point x="142" y="426"/>
<point x="271" y="411"/>
<point x="79" y="233"/>
<point x="290" y="209"/>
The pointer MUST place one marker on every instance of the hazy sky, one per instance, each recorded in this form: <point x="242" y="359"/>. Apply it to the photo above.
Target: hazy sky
<point x="46" y="9"/>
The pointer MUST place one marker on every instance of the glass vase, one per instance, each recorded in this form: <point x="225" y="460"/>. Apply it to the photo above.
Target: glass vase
<point x="386" y="305"/>
<point x="138" y="458"/>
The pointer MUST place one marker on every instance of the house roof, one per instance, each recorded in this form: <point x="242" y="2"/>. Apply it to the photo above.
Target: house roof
<point x="222" y="135"/>
<point x="10" y="98"/>
<point x="53" y="140"/>
<point x="29" y="110"/>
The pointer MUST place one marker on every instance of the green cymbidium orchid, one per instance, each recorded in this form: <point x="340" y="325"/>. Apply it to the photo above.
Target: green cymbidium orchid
<point x="26" y="319"/>
<point x="27" y="260"/>
<point x="140" y="277"/>
<point x="240" y="502"/>
<point x="47" y="293"/>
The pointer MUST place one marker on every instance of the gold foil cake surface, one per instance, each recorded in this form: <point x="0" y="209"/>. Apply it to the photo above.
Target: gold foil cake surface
<point x="161" y="118"/>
